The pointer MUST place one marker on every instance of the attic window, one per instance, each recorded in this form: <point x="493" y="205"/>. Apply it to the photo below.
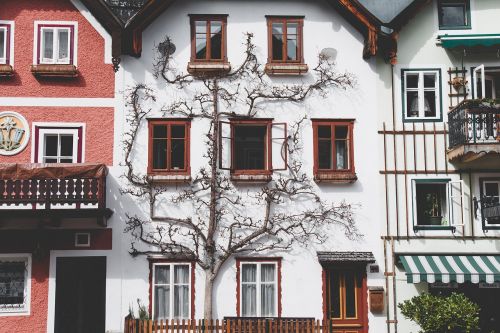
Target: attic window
<point x="454" y="14"/>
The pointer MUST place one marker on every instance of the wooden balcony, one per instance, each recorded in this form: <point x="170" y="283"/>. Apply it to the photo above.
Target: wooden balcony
<point x="474" y="132"/>
<point x="53" y="191"/>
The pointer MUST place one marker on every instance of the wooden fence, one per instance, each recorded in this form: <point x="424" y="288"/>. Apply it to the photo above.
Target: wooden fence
<point x="233" y="325"/>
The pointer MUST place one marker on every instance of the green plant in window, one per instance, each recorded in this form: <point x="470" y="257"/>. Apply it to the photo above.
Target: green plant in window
<point x="432" y="208"/>
<point x="439" y="314"/>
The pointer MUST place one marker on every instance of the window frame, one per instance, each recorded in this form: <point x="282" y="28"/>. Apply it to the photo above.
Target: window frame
<point x="8" y="27"/>
<point x="172" y="263"/>
<point x="300" y="35"/>
<point x="350" y="138"/>
<point x="468" y="24"/>
<point x="26" y="308"/>
<point x="421" y="90"/>
<point x="75" y="129"/>
<point x="72" y="37"/>
<point x="482" y="190"/>
<point x="187" y="151"/>
<point x="209" y="18"/>
<point x="240" y="261"/>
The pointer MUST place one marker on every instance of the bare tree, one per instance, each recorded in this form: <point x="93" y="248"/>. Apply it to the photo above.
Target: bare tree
<point x="224" y="222"/>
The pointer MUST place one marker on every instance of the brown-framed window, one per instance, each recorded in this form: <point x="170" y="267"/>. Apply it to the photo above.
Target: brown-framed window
<point x="285" y="39"/>
<point x="208" y="38"/>
<point x="333" y="146"/>
<point x="256" y="146"/>
<point x="169" y="146"/>
<point x="258" y="287"/>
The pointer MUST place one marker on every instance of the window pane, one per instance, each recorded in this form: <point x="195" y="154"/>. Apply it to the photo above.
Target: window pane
<point x="12" y="279"/>
<point x="3" y="41"/>
<point x="292" y="41"/>
<point x="162" y="302"/>
<point x="160" y="131"/>
<point x="430" y="103"/>
<point x="181" y="301"/>
<point x="267" y="272"/>
<point x="341" y="132"/>
<point x="325" y="160"/>
<point x="48" y="40"/>
<point x="411" y="104"/>
<point x="250" y="147"/>
<point x="335" y="295"/>
<point x="51" y="160"/>
<point x="350" y="295"/>
<point x="431" y="203"/>
<point x="215" y="40"/>
<point x="249" y="273"/>
<point x="277" y="42"/>
<point x="342" y="154"/>
<point x="162" y="274"/>
<point x="325" y="132"/>
<point x="453" y="15"/>
<point x="249" y="300"/>
<point x="181" y="274"/>
<point x="491" y="190"/>
<point x="412" y="80"/>
<point x="201" y="39"/>
<point x="66" y="145"/>
<point x="63" y="44"/>
<point x="159" y="153"/>
<point x="267" y="300"/>
<point x="178" y="131"/>
<point x="430" y="80"/>
<point x="177" y="154"/>
<point x="51" y="142"/>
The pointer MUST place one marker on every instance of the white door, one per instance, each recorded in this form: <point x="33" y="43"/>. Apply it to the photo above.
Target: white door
<point x="479" y="82"/>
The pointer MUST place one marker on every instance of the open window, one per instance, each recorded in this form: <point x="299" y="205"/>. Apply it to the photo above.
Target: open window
<point x="58" y="144"/>
<point x="421" y="95"/>
<point x="438" y="204"/>
<point x="454" y="14"/>
<point x="486" y="82"/>
<point x="490" y="202"/>
<point x="252" y="148"/>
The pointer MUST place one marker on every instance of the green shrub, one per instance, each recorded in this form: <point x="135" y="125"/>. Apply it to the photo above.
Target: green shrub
<point x="438" y="314"/>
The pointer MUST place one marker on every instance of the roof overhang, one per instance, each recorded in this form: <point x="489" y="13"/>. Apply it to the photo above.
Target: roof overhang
<point x="342" y="257"/>
<point x="469" y="41"/>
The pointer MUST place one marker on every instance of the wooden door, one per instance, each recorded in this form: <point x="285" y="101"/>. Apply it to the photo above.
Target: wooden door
<point x="347" y="305"/>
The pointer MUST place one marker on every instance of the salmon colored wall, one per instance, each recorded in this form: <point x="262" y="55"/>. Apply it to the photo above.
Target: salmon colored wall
<point x="98" y="133"/>
<point x="96" y="78"/>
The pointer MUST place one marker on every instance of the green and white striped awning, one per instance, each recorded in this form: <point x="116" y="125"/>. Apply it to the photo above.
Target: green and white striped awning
<point x="460" y="268"/>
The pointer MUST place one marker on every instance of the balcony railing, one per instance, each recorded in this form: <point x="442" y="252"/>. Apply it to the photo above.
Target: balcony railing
<point x="474" y="122"/>
<point x="490" y="212"/>
<point x="64" y="190"/>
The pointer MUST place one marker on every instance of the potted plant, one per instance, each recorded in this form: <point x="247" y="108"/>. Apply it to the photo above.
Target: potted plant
<point x="432" y="211"/>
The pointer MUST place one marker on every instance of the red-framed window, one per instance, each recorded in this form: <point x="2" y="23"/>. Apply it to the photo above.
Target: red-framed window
<point x="333" y="146"/>
<point x="171" y="289"/>
<point x="285" y="39"/>
<point x="208" y="38"/>
<point x="58" y="144"/>
<point x="5" y="40"/>
<point x="256" y="146"/>
<point x="56" y="44"/>
<point x="258" y="287"/>
<point x="169" y="142"/>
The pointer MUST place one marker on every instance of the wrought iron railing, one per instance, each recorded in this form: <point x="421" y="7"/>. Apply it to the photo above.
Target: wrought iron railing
<point x="474" y="122"/>
<point x="490" y="210"/>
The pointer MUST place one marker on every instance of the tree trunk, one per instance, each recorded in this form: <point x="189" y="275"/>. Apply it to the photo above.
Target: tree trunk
<point x="209" y="284"/>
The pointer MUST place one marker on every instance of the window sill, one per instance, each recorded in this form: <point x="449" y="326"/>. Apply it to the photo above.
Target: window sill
<point x="285" y="69"/>
<point x="252" y="178"/>
<point x="208" y="68"/>
<point x="336" y="177"/>
<point x="167" y="179"/>
<point x="6" y="71"/>
<point x="54" y="70"/>
<point x="437" y="227"/>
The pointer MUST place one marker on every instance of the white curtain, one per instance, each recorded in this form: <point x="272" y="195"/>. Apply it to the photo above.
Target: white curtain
<point x="162" y="292"/>
<point x="63" y="45"/>
<point x="341" y="154"/>
<point x="267" y="290"/>
<point x="48" y="43"/>
<point x="181" y="291"/>
<point x="249" y="290"/>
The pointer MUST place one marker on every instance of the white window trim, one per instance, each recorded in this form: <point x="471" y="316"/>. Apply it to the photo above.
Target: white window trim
<point x="11" y="43"/>
<point x="258" y="284"/>
<point x="26" y="310"/>
<point x="484" y="194"/>
<point x="153" y="282"/>
<point x="420" y="89"/>
<point x="74" y="24"/>
<point x="54" y="127"/>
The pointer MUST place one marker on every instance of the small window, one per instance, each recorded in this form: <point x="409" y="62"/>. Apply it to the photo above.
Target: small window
<point x="454" y="14"/>
<point x="169" y="146"/>
<point x="258" y="285"/>
<point x="490" y="203"/>
<point x="421" y="95"/>
<point x="56" y="44"/>
<point x="208" y="38"/>
<point x="251" y="147"/>
<point x="58" y="145"/>
<point x="285" y="39"/>
<point x="14" y="285"/>
<point x="171" y="291"/>
<point x="5" y="40"/>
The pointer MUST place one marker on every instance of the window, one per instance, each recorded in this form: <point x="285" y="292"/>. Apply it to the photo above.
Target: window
<point x="5" y="41"/>
<point x="258" y="288"/>
<point x="454" y="14"/>
<point x="253" y="146"/>
<point x="15" y="274"/>
<point x="285" y="39"/>
<point x="171" y="291"/>
<point x="490" y="202"/>
<point x="333" y="146"/>
<point x="169" y="146"/>
<point x="208" y="38"/>
<point x="58" y="144"/>
<point x="438" y="203"/>
<point x="55" y="44"/>
<point x="421" y="95"/>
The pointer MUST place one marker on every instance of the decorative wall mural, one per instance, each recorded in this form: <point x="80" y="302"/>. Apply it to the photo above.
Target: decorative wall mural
<point x="14" y="133"/>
